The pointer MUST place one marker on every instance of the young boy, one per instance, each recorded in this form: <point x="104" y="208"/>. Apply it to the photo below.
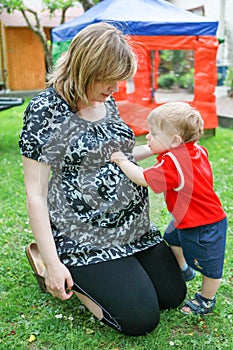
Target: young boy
<point x="197" y="233"/>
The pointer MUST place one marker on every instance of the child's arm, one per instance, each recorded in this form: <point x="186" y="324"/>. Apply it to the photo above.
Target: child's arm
<point x="141" y="152"/>
<point x="131" y="170"/>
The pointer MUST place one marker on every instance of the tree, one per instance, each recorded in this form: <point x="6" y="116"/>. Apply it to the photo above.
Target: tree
<point x="35" y="25"/>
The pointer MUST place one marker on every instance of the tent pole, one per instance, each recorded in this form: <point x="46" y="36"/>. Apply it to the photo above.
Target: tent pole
<point x="152" y="74"/>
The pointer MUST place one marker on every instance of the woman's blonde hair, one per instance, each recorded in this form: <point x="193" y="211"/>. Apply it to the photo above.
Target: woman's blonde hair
<point x="177" y="118"/>
<point x="98" y="53"/>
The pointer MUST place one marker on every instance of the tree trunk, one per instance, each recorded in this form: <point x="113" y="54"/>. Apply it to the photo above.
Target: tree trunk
<point x="39" y="30"/>
<point x="87" y="4"/>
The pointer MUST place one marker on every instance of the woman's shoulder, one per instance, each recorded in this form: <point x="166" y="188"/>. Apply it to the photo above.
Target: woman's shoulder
<point x="48" y="99"/>
<point x="48" y="106"/>
<point x="45" y="120"/>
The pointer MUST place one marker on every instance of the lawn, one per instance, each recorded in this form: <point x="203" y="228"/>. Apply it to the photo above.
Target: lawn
<point x="30" y="319"/>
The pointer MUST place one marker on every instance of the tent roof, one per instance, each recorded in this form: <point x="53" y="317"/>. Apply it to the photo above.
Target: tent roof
<point x="139" y="17"/>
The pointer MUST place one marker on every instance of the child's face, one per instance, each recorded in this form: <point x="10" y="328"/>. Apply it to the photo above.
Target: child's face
<point x="158" y="141"/>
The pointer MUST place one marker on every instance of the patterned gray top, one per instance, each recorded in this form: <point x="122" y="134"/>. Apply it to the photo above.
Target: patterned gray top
<point x="96" y="212"/>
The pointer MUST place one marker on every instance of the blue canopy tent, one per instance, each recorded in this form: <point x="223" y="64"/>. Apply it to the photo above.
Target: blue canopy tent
<point x="157" y="25"/>
<point x="139" y="17"/>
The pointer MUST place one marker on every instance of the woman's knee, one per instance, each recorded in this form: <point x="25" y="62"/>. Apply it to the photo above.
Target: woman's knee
<point x="140" y="326"/>
<point x="135" y="322"/>
<point x="125" y="294"/>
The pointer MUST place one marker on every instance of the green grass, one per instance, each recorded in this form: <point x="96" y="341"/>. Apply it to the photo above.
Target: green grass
<point x="57" y="325"/>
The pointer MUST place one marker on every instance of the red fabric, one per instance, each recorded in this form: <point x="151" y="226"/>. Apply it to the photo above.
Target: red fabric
<point x="205" y="77"/>
<point x="135" y="116"/>
<point x="196" y="203"/>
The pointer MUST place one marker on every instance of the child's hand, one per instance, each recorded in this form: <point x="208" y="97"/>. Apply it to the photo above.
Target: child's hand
<point x="118" y="157"/>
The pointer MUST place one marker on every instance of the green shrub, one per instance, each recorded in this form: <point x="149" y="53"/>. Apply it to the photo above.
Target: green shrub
<point x="186" y="81"/>
<point x="166" y="81"/>
<point x="183" y="81"/>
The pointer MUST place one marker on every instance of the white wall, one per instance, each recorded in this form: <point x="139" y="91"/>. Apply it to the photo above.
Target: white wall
<point x="211" y="6"/>
<point x="222" y="11"/>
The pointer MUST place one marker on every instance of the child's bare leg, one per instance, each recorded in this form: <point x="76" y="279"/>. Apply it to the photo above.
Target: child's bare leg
<point x="178" y="252"/>
<point x="209" y="286"/>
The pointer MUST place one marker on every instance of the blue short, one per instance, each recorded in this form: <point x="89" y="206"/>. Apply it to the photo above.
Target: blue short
<point x="203" y="246"/>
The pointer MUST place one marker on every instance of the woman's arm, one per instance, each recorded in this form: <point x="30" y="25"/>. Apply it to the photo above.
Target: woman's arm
<point x="141" y="152"/>
<point x="131" y="170"/>
<point x="36" y="177"/>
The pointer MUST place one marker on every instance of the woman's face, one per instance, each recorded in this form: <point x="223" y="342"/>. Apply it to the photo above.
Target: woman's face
<point x="101" y="91"/>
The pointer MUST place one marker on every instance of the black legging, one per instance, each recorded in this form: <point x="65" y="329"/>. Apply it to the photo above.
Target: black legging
<point x="131" y="291"/>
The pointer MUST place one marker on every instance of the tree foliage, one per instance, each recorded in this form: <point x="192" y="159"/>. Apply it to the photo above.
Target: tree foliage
<point x="33" y="20"/>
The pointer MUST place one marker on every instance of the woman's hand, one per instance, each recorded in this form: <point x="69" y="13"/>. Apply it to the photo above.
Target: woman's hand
<point x="59" y="282"/>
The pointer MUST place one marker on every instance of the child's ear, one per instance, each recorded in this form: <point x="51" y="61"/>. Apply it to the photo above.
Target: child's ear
<point x="176" y="141"/>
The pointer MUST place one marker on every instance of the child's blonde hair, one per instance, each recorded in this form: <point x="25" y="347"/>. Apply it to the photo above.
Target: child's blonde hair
<point x="177" y="118"/>
<point x="98" y="53"/>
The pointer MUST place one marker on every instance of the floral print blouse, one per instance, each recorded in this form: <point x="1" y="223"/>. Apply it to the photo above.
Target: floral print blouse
<point x="96" y="212"/>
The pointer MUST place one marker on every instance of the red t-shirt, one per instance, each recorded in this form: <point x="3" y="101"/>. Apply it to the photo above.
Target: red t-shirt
<point x="185" y="176"/>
